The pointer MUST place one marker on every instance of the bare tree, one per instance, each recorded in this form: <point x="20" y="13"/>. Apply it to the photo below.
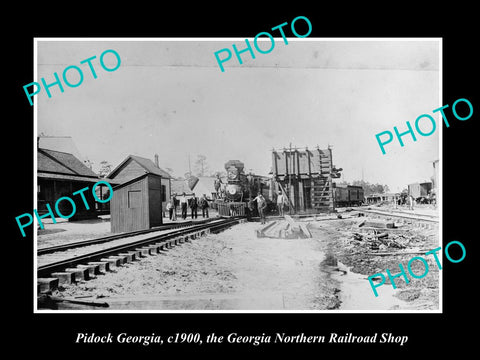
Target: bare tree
<point x="105" y="168"/>
<point x="201" y="166"/>
<point x="169" y="170"/>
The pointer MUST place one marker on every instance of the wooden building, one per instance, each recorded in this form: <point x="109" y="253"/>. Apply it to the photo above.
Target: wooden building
<point x="61" y="174"/>
<point x="305" y="178"/>
<point x="419" y="190"/>
<point x="137" y="204"/>
<point x="134" y="166"/>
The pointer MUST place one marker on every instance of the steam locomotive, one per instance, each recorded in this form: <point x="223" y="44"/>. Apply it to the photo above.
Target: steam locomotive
<point x="240" y="189"/>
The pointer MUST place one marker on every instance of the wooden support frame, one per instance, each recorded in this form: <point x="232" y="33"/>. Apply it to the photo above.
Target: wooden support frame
<point x="305" y="173"/>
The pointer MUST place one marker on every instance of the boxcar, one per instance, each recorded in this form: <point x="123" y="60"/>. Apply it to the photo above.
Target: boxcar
<point x="419" y="190"/>
<point x="348" y="195"/>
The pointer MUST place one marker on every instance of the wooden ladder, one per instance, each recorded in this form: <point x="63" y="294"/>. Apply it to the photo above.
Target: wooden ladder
<point x="321" y="191"/>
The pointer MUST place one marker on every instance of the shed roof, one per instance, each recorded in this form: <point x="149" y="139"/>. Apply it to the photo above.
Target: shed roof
<point x="58" y="162"/>
<point x="147" y="164"/>
<point x="52" y="176"/>
<point x="131" y="181"/>
<point x="59" y="143"/>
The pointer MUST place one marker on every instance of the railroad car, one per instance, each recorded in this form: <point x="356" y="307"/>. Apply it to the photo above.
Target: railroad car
<point x="419" y="190"/>
<point x="348" y="195"/>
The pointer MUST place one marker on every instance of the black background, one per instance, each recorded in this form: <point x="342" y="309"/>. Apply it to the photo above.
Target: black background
<point x="429" y="334"/>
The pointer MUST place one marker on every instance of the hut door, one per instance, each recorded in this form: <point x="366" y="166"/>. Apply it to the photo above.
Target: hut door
<point x="156" y="211"/>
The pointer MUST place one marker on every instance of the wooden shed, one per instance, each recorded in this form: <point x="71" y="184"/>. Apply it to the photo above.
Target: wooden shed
<point x="137" y="204"/>
<point x="134" y="166"/>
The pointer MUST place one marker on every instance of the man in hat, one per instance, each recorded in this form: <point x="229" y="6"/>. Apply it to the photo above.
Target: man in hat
<point x="204" y="205"/>
<point x="194" y="206"/>
<point x="261" y="205"/>
<point x="183" y="205"/>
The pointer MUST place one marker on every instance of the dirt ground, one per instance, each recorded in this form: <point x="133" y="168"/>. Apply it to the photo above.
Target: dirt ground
<point x="358" y="256"/>
<point x="236" y="270"/>
<point x="231" y="269"/>
<point x="71" y="231"/>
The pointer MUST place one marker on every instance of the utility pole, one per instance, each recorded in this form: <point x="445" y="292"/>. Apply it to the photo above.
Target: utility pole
<point x="330" y="180"/>
<point x="290" y="178"/>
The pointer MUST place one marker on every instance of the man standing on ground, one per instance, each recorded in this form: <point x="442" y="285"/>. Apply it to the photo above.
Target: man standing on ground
<point x="170" y="209"/>
<point x="280" y="202"/>
<point x="183" y="205"/>
<point x="411" y="201"/>
<point x="174" y="206"/>
<point x="194" y="206"/>
<point x="261" y="205"/>
<point x="204" y="206"/>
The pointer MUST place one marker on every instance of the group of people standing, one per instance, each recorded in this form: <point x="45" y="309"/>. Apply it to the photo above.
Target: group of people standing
<point x="262" y="205"/>
<point x="192" y="202"/>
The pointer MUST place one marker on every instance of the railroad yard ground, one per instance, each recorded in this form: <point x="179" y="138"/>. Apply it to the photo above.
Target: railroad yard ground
<point x="235" y="270"/>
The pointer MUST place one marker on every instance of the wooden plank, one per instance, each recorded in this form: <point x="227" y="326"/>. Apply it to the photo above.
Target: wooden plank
<point x="398" y="253"/>
<point x="291" y="222"/>
<point x="285" y="195"/>
<point x="274" y="160"/>
<point x="305" y="230"/>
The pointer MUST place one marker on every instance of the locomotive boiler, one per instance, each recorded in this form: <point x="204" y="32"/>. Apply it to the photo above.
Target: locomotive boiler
<point x="235" y="189"/>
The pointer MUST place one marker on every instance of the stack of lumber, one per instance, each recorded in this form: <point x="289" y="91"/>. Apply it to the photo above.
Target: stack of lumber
<point x="284" y="229"/>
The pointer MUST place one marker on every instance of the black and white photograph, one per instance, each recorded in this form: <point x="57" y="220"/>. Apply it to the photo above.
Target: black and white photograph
<point x="260" y="186"/>
<point x="218" y="180"/>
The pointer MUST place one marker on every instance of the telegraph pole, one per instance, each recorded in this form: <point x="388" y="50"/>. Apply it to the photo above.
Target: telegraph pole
<point x="290" y="179"/>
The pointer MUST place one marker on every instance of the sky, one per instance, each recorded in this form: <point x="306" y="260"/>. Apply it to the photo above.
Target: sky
<point x="170" y="97"/>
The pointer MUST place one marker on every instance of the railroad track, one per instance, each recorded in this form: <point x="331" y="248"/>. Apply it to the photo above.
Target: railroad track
<point x="399" y="215"/>
<point x="76" y="244"/>
<point x="64" y="266"/>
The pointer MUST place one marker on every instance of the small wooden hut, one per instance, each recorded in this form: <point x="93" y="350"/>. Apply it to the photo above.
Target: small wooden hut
<point x="137" y="204"/>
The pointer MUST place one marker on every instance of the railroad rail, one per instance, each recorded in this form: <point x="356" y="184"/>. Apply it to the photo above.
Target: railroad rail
<point x="73" y="245"/>
<point x="84" y="266"/>
<point x="399" y="215"/>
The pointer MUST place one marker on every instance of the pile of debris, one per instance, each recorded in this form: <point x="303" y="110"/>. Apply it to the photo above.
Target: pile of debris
<point x="286" y="228"/>
<point x="377" y="235"/>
